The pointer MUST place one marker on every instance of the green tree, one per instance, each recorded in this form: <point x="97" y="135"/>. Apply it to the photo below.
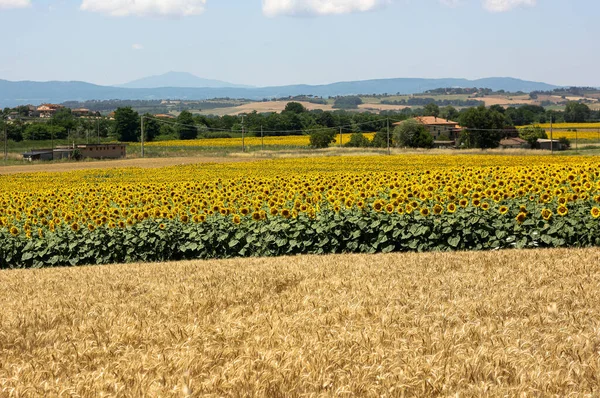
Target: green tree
<point x="127" y="124"/>
<point x="64" y="118"/>
<point x="43" y="131"/>
<point x="449" y="113"/>
<point x="358" y="140"/>
<point x="484" y="127"/>
<point x="348" y="102"/>
<point x="576" y="112"/>
<point x="14" y="130"/>
<point x="186" y="128"/>
<point x="151" y="127"/>
<point x="322" y="138"/>
<point x="532" y="134"/>
<point x="295" y="107"/>
<point x="431" y="109"/>
<point x="412" y="133"/>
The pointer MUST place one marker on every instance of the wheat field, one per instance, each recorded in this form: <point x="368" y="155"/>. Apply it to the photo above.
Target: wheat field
<point x="510" y="323"/>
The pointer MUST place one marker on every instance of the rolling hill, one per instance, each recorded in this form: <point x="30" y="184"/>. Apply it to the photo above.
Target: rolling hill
<point x="178" y="79"/>
<point x="29" y="92"/>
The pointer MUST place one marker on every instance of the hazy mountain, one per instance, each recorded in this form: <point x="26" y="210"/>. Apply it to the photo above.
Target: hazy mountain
<point x="28" y="92"/>
<point x="178" y="79"/>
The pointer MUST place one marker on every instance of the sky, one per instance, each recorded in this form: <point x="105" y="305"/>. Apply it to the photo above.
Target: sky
<point x="280" y="42"/>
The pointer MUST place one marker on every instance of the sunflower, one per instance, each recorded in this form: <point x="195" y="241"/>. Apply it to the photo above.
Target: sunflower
<point x="595" y="212"/>
<point x="451" y="208"/>
<point x="91" y="227"/>
<point x="389" y="208"/>
<point x="236" y="219"/>
<point x="437" y="209"/>
<point x="286" y="213"/>
<point x="523" y="209"/>
<point x="546" y="214"/>
<point x="377" y="206"/>
<point x="14" y="231"/>
<point x="162" y="226"/>
<point x="273" y="211"/>
<point x="424" y="211"/>
<point x="503" y="210"/>
<point x="256" y="216"/>
<point x="463" y="202"/>
<point x="75" y="227"/>
<point x="485" y="206"/>
<point x="562" y="211"/>
<point x="521" y="217"/>
<point x="184" y="218"/>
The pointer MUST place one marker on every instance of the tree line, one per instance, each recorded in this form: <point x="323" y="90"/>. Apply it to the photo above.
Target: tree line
<point x="294" y="120"/>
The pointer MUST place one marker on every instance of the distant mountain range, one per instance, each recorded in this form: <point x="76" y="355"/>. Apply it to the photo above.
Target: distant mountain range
<point x="178" y="79"/>
<point x="29" y="92"/>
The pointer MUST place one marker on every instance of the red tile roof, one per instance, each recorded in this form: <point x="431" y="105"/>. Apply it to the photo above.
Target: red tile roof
<point x="433" y="121"/>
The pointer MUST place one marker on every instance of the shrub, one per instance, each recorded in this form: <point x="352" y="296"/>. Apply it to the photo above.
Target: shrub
<point x="358" y="140"/>
<point x="322" y="138"/>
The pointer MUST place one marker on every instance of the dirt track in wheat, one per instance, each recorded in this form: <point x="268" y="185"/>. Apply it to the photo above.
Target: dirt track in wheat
<point x="496" y="324"/>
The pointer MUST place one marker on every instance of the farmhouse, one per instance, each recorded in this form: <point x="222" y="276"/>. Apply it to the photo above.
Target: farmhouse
<point x="547" y="144"/>
<point x="92" y="151"/>
<point x="439" y="128"/>
<point x="103" y="151"/>
<point x="514" y="142"/>
<point x="81" y="112"/>
<point x="47" y="110"/>
<point x="38" y="154"/>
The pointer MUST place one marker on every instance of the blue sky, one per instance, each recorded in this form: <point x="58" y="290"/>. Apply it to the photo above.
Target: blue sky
<point x="276" y="42"/>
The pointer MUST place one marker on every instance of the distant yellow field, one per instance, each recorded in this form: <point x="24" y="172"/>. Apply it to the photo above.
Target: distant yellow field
<point x="585" y="131"/>
<point x="570" y="125"/>
<point x="507" y="323"/>
<point x="284" y="141"/>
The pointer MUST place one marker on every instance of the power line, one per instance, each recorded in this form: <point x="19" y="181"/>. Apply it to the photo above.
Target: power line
<point x="344" y="127"/>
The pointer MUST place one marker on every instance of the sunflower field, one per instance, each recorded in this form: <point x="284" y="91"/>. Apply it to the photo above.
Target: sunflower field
<point x="277" y="207"/>
<point x="251" y="141"/>
<point x="573" y="131"/>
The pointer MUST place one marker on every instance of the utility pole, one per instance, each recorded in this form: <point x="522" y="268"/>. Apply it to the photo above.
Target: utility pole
<point x="551" y="140"/>
<point x="243" y="142"/>
<point x="262" y="139"/>
<point x="388" y="136"/>
<point x="5" y="142"/>
<point x="142" y="136"/>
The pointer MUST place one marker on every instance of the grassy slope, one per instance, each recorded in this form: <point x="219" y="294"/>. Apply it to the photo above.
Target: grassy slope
<point x="502" y="323"/>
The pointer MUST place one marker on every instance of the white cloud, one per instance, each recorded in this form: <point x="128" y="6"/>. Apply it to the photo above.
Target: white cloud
<point x="122" y="8"/>
<point x="274" y="8"/>
<point x="506" y="5"/>
<point x="137" y="46"/>
<point x="6" y="4"/>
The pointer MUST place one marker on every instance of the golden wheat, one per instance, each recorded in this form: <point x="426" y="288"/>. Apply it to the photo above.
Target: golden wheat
<point x="515" y="323"/>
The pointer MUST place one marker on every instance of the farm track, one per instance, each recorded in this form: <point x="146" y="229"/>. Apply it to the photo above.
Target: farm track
<point x="506" y="323"/>
<point x="147" y="163"/>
